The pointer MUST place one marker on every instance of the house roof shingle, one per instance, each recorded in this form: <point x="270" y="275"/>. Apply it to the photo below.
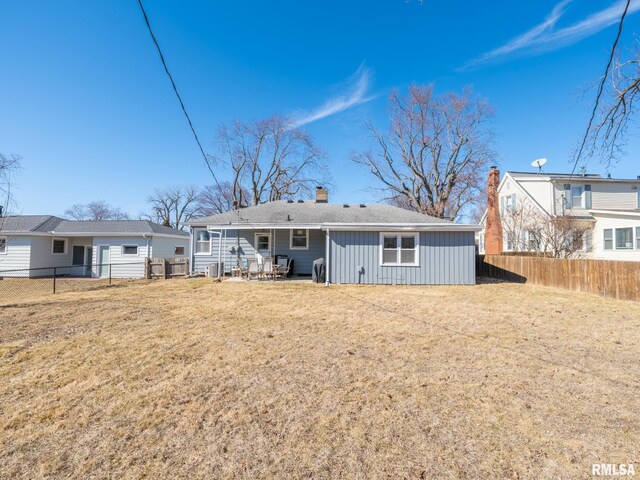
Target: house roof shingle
<point x="52" y="224"/>
<point x="310" y="212"/>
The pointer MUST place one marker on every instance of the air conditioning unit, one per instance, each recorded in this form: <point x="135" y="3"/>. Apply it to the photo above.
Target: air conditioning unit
<point x="213" y="269"/>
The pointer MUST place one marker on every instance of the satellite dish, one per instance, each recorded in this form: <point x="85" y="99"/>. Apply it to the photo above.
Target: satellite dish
<point x="539" y="163"/>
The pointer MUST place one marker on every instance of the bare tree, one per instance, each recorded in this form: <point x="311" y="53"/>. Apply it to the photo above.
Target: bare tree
<point x="528" y="229"/>
<point x="96" y="210"/>
<point x="8" y="166"/>
<point x="559" y="237"/>
<point x="269" y="160"/>
<point x="173" y="206"/>
<point x="436" y="152"/>
<point x="614" y="106"/>
<point x="517" y="220"/>
<point x="214" y="199"/>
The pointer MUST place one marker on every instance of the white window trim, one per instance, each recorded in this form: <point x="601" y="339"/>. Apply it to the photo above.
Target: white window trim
<point x="130" y="254"/>
<point x="255" y="241"/>
<point x="291" y="247"/>
<point x="6" y="243"/>
<point x="615" y="239"/>
<point x="581" y="187"/>
<point x="416" y="236"/>
<point x="614" y="242"/>
<point x="195" y="246"/>
<point x="66" y="244"/>
<point x="184" y="249"/>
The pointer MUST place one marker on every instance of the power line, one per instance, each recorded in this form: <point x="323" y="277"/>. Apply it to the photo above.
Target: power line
<point x="601" y="88"/>
<point x="175" y="89"/>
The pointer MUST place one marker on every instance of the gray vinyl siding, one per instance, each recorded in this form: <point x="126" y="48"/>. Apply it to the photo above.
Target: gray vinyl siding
<point x="303" y="258"/>
<point x="165" y="247"/>
<point x="245" y="240"/>
<point x="41" y="256"/>
<point x="122" y="266"/>
<point x="16" y="257"/>
<point x="444" y="258"/>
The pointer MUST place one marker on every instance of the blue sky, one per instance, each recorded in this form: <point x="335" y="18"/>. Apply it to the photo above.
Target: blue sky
<point x="87" y="105"/>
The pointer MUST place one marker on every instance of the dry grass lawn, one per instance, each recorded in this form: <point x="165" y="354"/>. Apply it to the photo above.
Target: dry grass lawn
<point x="193" y="379"/>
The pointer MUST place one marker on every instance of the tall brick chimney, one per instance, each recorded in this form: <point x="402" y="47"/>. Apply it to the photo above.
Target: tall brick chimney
<point x="322" y="195"/>
<point x="493" y="224"/>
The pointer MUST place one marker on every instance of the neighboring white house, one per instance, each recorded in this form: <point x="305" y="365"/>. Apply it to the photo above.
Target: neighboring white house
<point x="609" y="208"/>
<point x="31" y="245"/>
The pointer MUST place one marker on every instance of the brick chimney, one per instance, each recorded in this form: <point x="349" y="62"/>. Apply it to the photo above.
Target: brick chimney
<point x="493" y="224"/>
<point x="322" y="195"/>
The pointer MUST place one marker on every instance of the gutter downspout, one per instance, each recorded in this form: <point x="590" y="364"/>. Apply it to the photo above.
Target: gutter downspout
<point x="327" y="252"/>
<point x="148" y="238"/>
<point x="192" y="249"/>
<point x="219" y="254"/>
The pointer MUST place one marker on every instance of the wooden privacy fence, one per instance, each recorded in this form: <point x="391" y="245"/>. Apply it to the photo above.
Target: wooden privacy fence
<point x="166" y="267"/>
<point x="609" y="278"/>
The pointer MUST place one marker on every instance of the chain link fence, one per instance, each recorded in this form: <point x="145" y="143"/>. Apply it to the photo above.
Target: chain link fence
<point x="30" y="283"/>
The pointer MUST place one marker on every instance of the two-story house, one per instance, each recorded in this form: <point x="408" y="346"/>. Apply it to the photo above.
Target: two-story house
<point x="608" y="208"/>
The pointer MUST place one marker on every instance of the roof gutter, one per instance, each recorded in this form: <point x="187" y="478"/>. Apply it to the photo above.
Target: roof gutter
<point x="111" y="234"/>
<point x="457" y="227"/>
<point x="422" y="227"/>
<point x="616" y="213"/>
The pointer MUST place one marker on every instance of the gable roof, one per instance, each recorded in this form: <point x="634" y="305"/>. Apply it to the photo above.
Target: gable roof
<point x="50" y="224"/>
<point x="28" y="223"/>
<point x="286" y="213"/>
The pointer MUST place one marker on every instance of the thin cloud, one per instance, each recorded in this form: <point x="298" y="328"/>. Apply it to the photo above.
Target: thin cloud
<point x="544" y="37"/>
<point x="357" y="87"/>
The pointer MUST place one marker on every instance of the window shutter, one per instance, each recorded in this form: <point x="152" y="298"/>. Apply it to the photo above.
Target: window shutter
<point x="502" y="205"/>
<point x="567" y="195"/>
<point x="587" y="197"/>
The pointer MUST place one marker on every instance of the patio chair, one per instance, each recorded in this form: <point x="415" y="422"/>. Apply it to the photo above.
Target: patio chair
<point x="267" y="268"/>
<point x="253" y="270"/>
<point x="283" y="271"/>
<point x="244" y="268"/>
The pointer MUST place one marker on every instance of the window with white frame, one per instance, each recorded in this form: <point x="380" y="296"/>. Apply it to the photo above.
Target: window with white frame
<point x="263" y="242"/>
<point x="510" y="203"/>
<point x="179" y="250"/>
<point x="576" y="197"/>
<point x="638" y="238"/>
<point x="608" y="238"/>
<point x="624" y="238"/>
<point x="299" y="239"/>
<point x="508" y="241"/>
<point x="3" y="245"/>
<point x="129" y="250"/>
<point x="59" y="246"/>
<point x="399" y="249"/>
<point x="203" y="242"/>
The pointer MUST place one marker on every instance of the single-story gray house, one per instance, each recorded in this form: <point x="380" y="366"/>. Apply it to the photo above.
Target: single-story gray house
<point x="30" y="245"/>
<point x="368" y="244"/>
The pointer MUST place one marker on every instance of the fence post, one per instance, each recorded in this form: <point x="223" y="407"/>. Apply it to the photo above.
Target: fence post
<point x="109" y="274"/>
<point x="165" y="264"/>
<point x="54" y="279"/>
<point x="147" y="268"/>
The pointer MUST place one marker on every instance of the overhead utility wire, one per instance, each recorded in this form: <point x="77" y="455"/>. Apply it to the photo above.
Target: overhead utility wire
<point x="175" y="89"/>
